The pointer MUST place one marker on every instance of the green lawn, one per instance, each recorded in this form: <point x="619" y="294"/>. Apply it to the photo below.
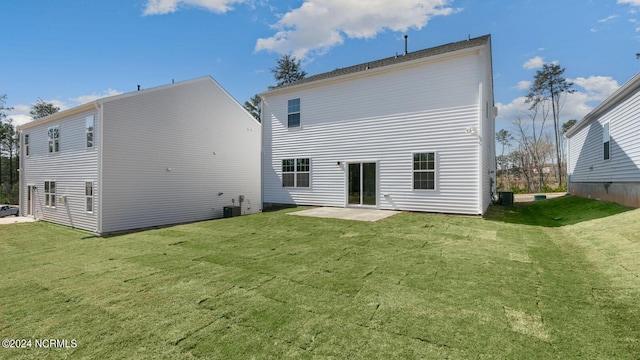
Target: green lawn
<point x="554" y="279"/>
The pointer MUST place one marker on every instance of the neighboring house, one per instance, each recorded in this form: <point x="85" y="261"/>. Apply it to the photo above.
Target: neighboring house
<point x="411" y="132"/>
<point x="169" y="154"/>
<point x="604" y="149"/>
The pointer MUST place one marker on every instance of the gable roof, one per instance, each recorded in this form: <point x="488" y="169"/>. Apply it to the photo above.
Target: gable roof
<point x="420" y="54"/>
<point x="96" y="103"/>
<point x="630" y="87"/>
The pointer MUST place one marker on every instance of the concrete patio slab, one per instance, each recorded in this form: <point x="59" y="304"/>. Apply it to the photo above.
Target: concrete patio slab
<point x="15" y="219"/>
<point x="347" y="213"/>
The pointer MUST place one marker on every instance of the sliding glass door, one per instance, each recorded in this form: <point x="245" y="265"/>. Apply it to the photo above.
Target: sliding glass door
<point x="362" y="184"/>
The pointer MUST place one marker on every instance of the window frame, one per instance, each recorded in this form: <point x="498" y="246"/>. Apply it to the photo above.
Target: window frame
<point x="88" y="194"/>
<point x="53" y="139"/>
<point x="26" y="145"/>
<point x="293" y="109"/>
<point x="606" y="141"/>
<point x="89" y="131"/>
<point x="433" y="171"/>
<point x="293" y="169"/>
<point x="50" y="196"/>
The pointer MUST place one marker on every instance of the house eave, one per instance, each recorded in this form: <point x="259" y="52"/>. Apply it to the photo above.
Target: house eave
<point x="614" y="99"/>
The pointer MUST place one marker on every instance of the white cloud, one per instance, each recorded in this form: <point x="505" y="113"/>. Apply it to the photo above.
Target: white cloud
<point x="20" y="112"/>
<point x="319" y="25"/>
<point x="608" y="18"/>
<point x="89" y="98"/>
<point x="524" y="85"/>
<point x="630" y="2"/>
<point x="574" y="106"/>
<point x="534" y="63"/>
<point x="160" y="7"/>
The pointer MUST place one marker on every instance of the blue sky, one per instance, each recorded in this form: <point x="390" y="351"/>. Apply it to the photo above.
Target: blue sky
<point x="73" y="51"/>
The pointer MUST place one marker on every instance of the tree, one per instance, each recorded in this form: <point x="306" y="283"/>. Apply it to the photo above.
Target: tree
<point x="287" y="71"/>
<point x="42" y="108"/>
<point x="253" y="106"/>
<point x="567" y="125"/>
<point x="549" y="85"/>
<point x="504" y="138"/>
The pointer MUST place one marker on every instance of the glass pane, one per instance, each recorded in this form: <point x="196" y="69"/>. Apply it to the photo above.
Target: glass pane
<point x="288" y="165"/>
<point x="56" y="132"/>
<point x="303" y="179"/>
<point x="288" y="180"/>
<point x="52" y="186"/>
<point x="294" y="120"/>
<point x="50" y="133"/>
<point x="294" y="105"/>
<point x="46" y="186"/>
<point x="26" y="139"/>
<point x="369" y="183"/>
<point x="50" y="145"/>
<point x="89" y="123"/>
<point x="89" y="204"/>
<point x="606" y="151"/>
<point x="303" y="164"/>
<point x="56" y="145"/>
<point x="90" y="139"/>
<point x="354" y="184"/>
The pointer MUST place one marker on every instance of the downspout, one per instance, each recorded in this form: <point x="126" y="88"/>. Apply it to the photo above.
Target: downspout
<point x="481" y="177"/>
<point x="20" y="171"/>
<point x="262" y="102"/>
<point x="99" y="107"/>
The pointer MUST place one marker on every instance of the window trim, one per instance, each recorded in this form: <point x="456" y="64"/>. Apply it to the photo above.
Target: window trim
<point x="294" y="112"/>
<point x="89" y="132"/>
<point x="88" y="198"/>
<point x="53" y="141"/>
<point x="295" y="172"/>
<point x="50" y="196"/>
<point x="606" y="141"/>
<point x="434" y="170"/>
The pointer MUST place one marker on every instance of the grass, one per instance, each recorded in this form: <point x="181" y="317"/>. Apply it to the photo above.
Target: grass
<point x="553" y="279"/>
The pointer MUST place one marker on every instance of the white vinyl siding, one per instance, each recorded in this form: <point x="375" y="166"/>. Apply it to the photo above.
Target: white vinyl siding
<point x="384" y="117"/>
<point x="213" y="156"/>
<point x="586" y="155"/>
<point x="70" y="169"/>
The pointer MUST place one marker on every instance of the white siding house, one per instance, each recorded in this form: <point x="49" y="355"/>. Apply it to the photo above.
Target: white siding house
<point x="170" y="154"/>
<point x="604" y="149"/>
<point x="411" y="132"/>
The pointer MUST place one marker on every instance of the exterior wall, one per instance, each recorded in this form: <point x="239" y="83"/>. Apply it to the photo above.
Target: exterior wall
<point x="177" y="154"/>
<point x="70" y="168"/>
<point x="384" y="117"/>
<point x="487" y="114"/>
<point x="615" y="179"/>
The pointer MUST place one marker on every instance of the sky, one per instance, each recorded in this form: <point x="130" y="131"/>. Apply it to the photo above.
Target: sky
<point x="75" y="51"/>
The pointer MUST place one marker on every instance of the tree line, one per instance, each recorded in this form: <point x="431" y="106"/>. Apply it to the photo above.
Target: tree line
<point x="532" y="158"/>
<point x="10" y="145"/>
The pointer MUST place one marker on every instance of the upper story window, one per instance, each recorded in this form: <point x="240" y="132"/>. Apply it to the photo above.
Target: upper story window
<point x="293" y="113"/>
<point x="89" y="123"/>
<point x="424" y="171"/>
<point x="54" y="139"/>
<point x="88" y="193"/>
<point x="26" y="144"/>
<point x="606" y="141"/>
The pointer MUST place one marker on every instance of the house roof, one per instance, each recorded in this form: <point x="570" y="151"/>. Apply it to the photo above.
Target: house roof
<point x="96" y="103"/>
<point x="629" y="88"/>
<point x="411" y="56"/>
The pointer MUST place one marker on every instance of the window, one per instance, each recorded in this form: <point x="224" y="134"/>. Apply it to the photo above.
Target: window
<point x="424" y="171"/>
<point x="293" y="117"/>
<point x="26" y="144"/>
<point x="296" y="172"/>
<point x="54" y="139"/>
<point x="88" y="193"/>
<point x="606" y="141"/>
<point x="89" y="129"/>
<point x="50" y="194"/>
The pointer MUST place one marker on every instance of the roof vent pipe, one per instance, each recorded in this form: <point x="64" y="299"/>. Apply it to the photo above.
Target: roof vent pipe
<point x="138" y="87"/>
<point x="406" y="37"/>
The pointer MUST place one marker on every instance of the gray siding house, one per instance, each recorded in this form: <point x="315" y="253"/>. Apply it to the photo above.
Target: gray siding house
<point x="169" y="154"/>
<point x="603" y="149"/>
<point x="410" y="132"/>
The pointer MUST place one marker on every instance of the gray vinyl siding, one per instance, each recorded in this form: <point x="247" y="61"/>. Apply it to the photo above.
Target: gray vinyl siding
<point x="197" y="130"/>
<point x="385" y="117"/>
<point x="586" y="159"/>
<point x="69" y="168"/>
